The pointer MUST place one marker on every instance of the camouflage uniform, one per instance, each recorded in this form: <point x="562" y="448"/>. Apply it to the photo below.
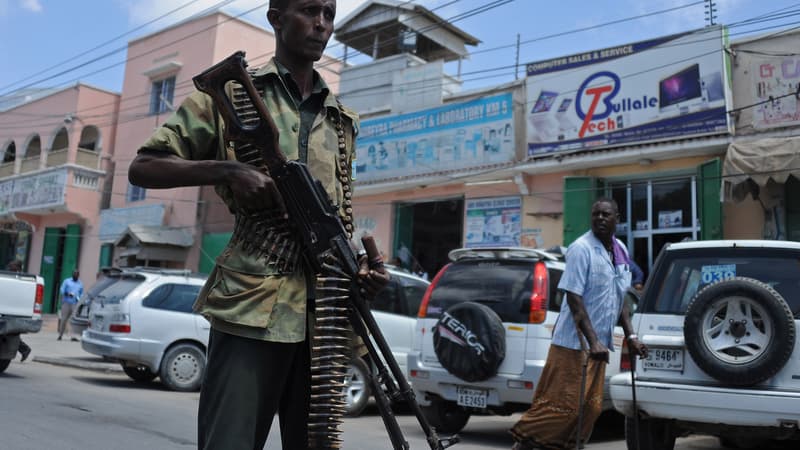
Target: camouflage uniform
<point x="243" y="296"/>
<point x="258" y="357"/>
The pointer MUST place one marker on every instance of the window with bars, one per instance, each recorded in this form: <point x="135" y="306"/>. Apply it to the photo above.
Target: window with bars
<point x="161" y="95"/>
<point x="136" y="193"/>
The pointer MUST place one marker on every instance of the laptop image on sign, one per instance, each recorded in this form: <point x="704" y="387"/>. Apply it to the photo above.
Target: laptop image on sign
<point x="678" y="88"/>
<point x="543" y="126"/>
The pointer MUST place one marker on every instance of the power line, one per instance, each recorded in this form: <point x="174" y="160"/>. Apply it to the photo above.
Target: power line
<point x="472" y="12"/>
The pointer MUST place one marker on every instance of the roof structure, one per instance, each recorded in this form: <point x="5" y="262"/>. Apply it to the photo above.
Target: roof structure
<point x="139" y="235"/>
<point x="382" y="28"/>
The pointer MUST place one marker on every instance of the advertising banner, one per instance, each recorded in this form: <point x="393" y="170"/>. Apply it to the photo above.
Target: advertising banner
<point x="44" y="190"/>
<point x="494" y="222"/>
<point x="775" y="77"/>
<point x="675" y="86"/>
<point x="455" y="136"/>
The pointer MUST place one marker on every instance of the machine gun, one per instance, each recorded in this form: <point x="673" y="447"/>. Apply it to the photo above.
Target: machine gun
<point x="325" y="244"/>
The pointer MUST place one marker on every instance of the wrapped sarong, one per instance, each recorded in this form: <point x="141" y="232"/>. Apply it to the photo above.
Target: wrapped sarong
<point x="551" y="420"/>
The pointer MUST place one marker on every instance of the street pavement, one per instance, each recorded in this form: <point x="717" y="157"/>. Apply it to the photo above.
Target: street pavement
<point x="45" y="348"/>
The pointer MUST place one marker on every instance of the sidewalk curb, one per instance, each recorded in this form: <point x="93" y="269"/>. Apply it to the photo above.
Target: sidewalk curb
<point x="69" y="362"/>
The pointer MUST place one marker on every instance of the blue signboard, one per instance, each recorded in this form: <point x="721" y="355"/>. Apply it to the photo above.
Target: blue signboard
<point x="672" y="87"/>
<point x="455" y="136"/>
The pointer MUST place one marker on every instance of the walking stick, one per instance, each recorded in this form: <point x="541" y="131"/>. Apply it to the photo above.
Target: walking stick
<point x="581" y="395"/>
<point x="633" y="391"/>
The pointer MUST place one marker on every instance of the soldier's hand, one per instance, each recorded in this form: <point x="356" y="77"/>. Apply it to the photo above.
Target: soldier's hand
<point x="371" y="279"/>
<point x="253" y="190"/>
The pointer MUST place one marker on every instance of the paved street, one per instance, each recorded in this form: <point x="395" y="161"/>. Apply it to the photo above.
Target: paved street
<point x="67" y="399"/>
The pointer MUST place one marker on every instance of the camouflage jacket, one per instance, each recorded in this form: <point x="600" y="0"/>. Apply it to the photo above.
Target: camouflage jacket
<point x="243" y="296"/>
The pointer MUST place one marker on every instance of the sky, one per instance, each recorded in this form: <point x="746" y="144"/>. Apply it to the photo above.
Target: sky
<point x="56" y="43"/>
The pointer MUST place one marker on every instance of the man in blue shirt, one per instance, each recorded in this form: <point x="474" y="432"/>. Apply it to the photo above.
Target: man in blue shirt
<point x="595" y="280"/>
<point x="71" y="291"/>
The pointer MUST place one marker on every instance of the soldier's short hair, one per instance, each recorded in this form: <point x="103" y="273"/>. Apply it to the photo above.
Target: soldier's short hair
<point x="280" y="5"/>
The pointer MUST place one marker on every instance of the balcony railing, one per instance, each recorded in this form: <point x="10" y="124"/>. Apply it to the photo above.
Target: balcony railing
<point x="30" y="164"/>
<point x="88" y="158"/>
<point x="57" y="158"/>
<point x="6" y="169"/>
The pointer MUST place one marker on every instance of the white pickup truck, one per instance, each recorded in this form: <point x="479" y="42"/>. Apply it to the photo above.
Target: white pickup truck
<point x="20" y="311"/>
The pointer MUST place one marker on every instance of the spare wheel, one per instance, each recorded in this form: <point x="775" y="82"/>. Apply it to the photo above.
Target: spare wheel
<point x="739" y="331"/>
<point x="470" y="341"/>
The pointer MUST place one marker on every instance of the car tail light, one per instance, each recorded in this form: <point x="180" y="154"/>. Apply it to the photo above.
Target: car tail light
<point x="119" y="328"/>
<point x="120" y="323"/>
<point x="37" y="303"/>
<point x="423" y="306"/>
<point x="539" y="295"/>
<point x="625" y="357"/>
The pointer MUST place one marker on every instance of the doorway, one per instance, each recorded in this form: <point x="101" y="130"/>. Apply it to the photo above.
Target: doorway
<point x="425" y="232"/>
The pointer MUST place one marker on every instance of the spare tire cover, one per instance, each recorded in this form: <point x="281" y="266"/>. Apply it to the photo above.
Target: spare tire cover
<point x="470" y="341"/>
<point x="739" y="331"/>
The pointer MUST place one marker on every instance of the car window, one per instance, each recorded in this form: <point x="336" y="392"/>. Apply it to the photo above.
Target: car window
<point x="685" y="273"/>
<point x="503" y="285"/>
<point x="413" y="291"/>
<point x="172" y="297"/>
<point x="387" y="299"/>
<point x="116" y="292"/>
<point x="554" y="303"/>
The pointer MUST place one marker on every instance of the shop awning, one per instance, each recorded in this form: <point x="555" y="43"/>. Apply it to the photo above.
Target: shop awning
<point x="759" y="161"/>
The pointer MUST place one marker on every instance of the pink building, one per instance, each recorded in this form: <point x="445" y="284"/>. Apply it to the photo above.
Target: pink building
<point x="54" y="180"/>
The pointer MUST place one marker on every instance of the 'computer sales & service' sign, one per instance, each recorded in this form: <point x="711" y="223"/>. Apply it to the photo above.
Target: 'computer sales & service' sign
<point x="666" y="88"/>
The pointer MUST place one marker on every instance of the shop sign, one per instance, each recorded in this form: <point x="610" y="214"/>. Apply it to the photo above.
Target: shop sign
<point x="672" y="87"/>
<point x="45" y="190"/>
<point x="451" y="137"/>
<point x="493" y="222"/>
<point x="776" y="78"/>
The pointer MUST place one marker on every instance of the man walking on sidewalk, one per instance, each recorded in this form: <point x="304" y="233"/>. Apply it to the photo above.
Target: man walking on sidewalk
<point x="71" y="291"/>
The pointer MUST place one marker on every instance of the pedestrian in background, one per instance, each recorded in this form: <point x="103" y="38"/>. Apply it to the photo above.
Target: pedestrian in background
<point x="24" y="349"/>
<point x="258" y="361"/>
<point x="595" y="279"/>
<point x="71" y="291"/>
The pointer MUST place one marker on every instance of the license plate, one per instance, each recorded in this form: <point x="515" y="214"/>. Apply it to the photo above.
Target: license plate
<point x="664" y="359"/>
<point x="474" y="398"/>
<point x="97" y="323"/>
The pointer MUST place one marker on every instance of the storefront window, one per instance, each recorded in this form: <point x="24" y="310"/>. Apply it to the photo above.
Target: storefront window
<point x="654" y="213"/>
<point x="672" y="204"/>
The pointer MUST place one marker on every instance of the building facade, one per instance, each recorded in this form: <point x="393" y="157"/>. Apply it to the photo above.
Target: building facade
<point x="55" y="178"/>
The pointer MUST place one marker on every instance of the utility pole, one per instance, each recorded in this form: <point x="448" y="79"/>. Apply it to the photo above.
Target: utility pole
<point x="516" y="63"/>
<point x="711" y="12"/>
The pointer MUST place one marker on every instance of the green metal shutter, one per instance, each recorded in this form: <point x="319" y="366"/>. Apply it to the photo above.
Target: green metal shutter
<point x="212" y="246"/>
<point x="709" y="181"/>
<point x="50" y="267"/>
<point x="71" y="251"/>
<point x="579" y="194"/>
<point x="106" y="256"/>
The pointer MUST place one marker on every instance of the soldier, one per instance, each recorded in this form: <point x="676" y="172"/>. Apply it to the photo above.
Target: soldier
<point x="258" y="353"/>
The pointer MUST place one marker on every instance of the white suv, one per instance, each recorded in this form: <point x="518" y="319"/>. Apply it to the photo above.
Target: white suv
<point x="483" y="333"/>
<point x="143" y="318"/>
<point x="721" y="319"/>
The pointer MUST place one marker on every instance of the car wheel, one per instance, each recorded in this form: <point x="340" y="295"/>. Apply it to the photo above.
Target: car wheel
<point x="357" y="388"/>
<point x="4" y="364"/>
<point x="139" y="372"/>
<point x="654" y="434"/>
<point x="470" y="341"/>
<point x="182" y="368"/>
<point x="739" y="331"/>
<point x="446" y="417"/>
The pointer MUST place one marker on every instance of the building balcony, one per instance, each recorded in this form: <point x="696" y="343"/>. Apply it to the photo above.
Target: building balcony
<point x="44" y="191"/>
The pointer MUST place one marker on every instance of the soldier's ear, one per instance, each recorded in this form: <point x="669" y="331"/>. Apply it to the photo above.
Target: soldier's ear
<point x="274" y="18"/>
